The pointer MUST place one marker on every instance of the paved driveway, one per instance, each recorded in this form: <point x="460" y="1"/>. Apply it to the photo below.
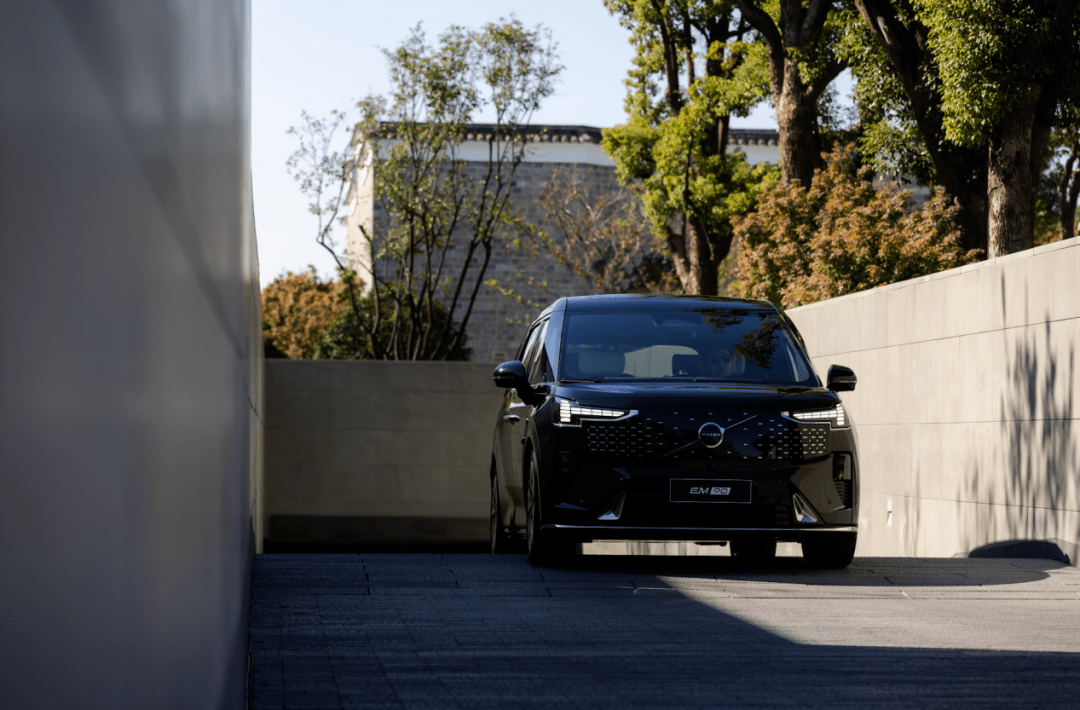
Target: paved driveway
<point x="483" y="631"/>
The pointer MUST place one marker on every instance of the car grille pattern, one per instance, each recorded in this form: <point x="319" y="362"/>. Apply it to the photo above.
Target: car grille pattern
<point x="765" y="436"/>
<point x="803" y="441"/>
<point x="631" y="439"/>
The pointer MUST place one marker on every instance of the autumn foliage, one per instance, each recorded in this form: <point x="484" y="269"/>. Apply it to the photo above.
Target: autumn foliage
<point x="843" y="234"/>
<point x="298" y="308"/>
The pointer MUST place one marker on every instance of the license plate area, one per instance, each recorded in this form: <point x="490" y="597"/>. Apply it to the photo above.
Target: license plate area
<point x="695" y="490"/>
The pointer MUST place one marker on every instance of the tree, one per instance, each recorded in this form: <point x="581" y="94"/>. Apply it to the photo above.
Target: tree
<point x="840" y="236"/>
<point x="323" y="174"/>
<point x="442" y="220"/>
<point x="297" y="309"/>
<point x="898" y="92"/>
<point x="694" y="67"/>
<point x="801" y="49"/>
<point x="1009" y="71"/>
<point x="1065" y="176"/>
<point x="346" y="338"/>
<point x="603" y="235"/>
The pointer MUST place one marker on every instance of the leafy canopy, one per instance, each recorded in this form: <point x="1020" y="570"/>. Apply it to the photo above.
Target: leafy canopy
<point x="993" y="54"/>
<point x="842" y="235"/>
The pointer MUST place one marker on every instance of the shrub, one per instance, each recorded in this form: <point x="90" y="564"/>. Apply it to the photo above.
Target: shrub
<point x="298" y="308"/>
<point x="843" y="234"/>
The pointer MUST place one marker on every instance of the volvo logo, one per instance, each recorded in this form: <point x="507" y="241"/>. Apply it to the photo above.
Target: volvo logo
<point x="711" y="435"/>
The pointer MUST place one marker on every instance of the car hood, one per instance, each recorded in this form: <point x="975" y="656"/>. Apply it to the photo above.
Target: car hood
<point x="649" y="395"/>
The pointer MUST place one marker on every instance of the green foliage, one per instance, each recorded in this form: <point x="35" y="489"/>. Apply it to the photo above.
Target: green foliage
<point x="842" y="235"/>
<point x="694" y="67"/>
<point x="993" y="54"/>
<point x="350" y="335"/>
<point x="890" y="141"/>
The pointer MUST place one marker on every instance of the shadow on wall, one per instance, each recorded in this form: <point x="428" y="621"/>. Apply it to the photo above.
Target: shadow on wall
<point x="1040" y="455"/>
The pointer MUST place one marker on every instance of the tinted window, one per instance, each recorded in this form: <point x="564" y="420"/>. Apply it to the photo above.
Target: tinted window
<point x="695" y="344"/>
<point x="532" y="345"/>
<point x="536" y="365"/>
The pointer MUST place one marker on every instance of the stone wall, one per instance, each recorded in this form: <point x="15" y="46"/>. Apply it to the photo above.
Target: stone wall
<point x="967" y="403"/>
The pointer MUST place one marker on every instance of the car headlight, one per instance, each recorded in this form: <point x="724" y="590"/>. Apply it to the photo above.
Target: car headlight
<point x="571" y="413"/>
<point x="835" y="415"/>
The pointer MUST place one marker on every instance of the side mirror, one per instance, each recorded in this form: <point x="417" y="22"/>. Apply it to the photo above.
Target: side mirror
<point x="512" y="374"/>
<point x="841" y="379"/>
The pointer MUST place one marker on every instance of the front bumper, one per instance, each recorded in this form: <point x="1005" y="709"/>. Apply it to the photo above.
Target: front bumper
<point x="600" y="495"/>
<point x="591" y="533"/>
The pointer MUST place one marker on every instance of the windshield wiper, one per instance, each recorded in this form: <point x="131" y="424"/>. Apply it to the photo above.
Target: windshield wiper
<point x="571" y="379"/>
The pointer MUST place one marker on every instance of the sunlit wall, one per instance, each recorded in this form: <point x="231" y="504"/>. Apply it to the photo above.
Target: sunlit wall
<point x="130" y="366"/>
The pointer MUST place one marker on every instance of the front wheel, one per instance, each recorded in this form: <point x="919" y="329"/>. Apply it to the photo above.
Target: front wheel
<point x="829" y="554"/>
<point x="542" y="546"/>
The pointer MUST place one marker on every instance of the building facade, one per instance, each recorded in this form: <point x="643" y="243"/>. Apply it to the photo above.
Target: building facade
<point x="496" y="323"/>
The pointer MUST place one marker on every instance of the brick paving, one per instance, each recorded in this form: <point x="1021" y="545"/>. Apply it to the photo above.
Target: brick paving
<point x="483" y="631"/>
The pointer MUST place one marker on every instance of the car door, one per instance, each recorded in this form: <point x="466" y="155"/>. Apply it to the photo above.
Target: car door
<point x="516" y="416"/>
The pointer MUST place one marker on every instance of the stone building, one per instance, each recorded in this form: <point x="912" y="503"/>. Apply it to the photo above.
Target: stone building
<point x="498" y="321"/>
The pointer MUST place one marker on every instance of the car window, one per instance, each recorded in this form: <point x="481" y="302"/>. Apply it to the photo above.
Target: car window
<point x="538" y="366"/>
<point x="745" y="345"/>
<point x="532" y="344"/>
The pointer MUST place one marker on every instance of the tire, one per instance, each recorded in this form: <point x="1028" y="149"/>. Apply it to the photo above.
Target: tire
<point x="754" y="552"/>
<point x="542" y="548"/>
<point x="500" y="541"/>
<point x="829" y="554"/>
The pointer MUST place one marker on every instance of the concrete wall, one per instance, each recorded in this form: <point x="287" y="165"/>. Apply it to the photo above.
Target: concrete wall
<point x="378" y="452"/>
<point x="967" y="403"/>
<point x="130" y="379"/>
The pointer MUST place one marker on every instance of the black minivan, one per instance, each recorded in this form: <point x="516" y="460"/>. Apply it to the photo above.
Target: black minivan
<point x="636" y="417"/>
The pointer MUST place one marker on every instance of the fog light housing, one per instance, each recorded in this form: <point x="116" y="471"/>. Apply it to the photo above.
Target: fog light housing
<point x="803" y="512"/>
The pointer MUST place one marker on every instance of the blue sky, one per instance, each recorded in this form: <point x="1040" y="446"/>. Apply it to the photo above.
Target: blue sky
<point x="324" y="54"/>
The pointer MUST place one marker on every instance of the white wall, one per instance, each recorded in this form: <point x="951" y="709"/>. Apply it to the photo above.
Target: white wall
<point x="967" y="403"/>
<point x="130" y="379"/>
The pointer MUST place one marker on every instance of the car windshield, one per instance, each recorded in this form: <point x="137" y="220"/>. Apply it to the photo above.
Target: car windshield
<point x="738" y="345"/>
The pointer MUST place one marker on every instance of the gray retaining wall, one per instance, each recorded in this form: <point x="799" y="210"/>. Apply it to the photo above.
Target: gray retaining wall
<point x="383" y="453"/>
<point x="966" y="406"/>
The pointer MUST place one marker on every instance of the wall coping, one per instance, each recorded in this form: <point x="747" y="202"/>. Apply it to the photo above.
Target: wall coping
<point x="1073" y="243"/>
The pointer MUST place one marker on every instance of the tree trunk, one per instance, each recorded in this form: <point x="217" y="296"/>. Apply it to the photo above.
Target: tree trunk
<point x="694" y="257"/>
<point x="961" y="171"/>
<point x="963" y="174"/>
<point x="1011" y="182"/>
<point x="796" y="118"/>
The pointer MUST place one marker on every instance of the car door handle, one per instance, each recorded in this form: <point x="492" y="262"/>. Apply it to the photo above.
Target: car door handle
<point x="511" y="418"/>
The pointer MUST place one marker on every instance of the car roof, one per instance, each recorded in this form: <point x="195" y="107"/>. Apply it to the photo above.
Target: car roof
<point x="638" y="302"/>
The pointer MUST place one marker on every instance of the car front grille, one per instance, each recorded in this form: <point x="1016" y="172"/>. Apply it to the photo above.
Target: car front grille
<point x="632" y="439"/>
<point x="765" y="436"/>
